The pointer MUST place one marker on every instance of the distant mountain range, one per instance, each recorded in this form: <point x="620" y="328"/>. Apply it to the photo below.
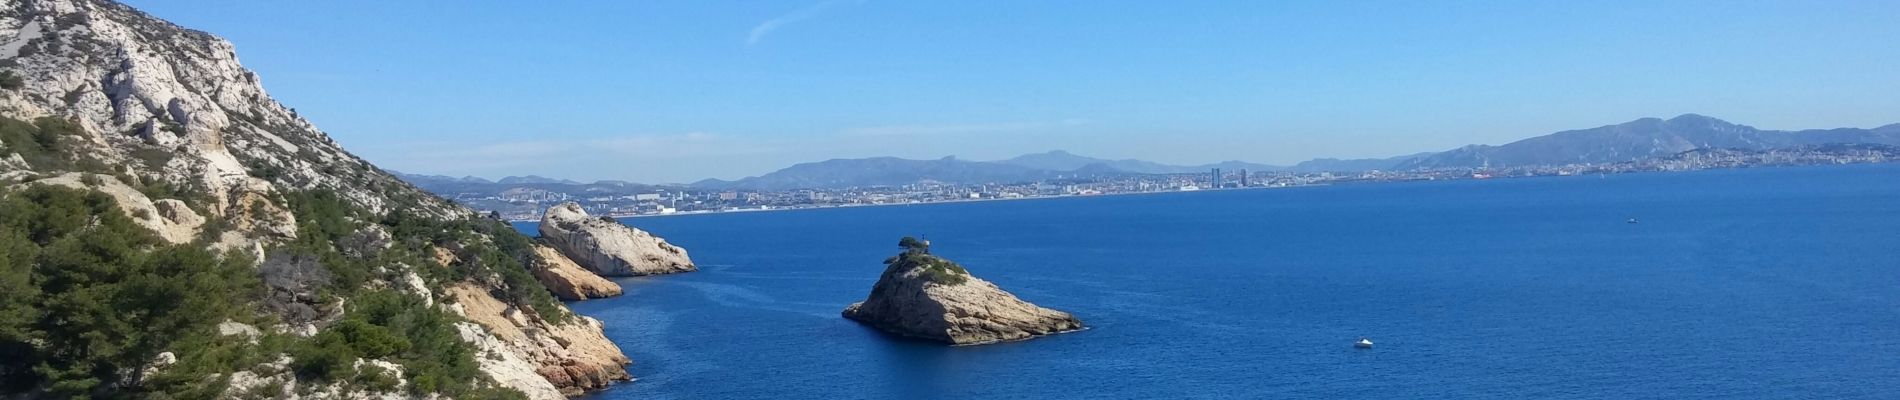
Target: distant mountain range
<point x="882" y="171"/>
<point x="1630" y="141"/>
<point x="1059" y="160"/>
<point x="1639" y="139"/>
<point x="511" y="180"/>
<point x="448" y="185"/>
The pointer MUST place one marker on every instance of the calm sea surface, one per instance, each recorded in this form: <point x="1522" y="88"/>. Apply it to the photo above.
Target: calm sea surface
<point x="1763" y="283"/>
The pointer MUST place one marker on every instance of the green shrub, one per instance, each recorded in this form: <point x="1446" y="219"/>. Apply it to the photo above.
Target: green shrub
<point x="934" y="268"/>
<point x="11" y="81"/>
<point x="88" y="297"/>
<point x="911" y="244"/>
<point x="377" y="379"/>
<point x="397" y="327"/>
<point x="327" y="356"/>
<point x="31" y="143"/>
<point x="101" y="296"/>
<point x="487" y="246"/>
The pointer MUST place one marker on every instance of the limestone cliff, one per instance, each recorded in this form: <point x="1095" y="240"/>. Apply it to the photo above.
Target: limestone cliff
<point x="569" y="359"/>
<point x="928" y="297"/>
<point x="607" y="247"/>
<point x="186" y="140"/>
<point x="174" y="103"/>
<point x="568" y="280"/>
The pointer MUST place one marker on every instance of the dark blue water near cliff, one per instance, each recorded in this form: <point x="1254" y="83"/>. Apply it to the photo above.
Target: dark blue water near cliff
<point x="1765" y="283"/>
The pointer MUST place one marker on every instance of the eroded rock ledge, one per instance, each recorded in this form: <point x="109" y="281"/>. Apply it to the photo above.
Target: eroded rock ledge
<point x="607" y="247"/>
<point x="568" y="280"/>
<point x="541" y="359"/>
<point x="924" y="296"/>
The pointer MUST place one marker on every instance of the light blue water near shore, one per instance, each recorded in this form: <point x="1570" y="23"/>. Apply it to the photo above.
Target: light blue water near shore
<point x="1762" y="283"/>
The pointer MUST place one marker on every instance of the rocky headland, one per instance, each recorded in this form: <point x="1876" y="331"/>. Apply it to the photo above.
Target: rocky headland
<point x="302" y="270"/>
<point x="607" y="247"/>
<point x="928" y="297"/>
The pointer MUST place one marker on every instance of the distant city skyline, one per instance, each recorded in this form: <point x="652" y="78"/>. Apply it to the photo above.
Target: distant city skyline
<point x="668" y="92"/>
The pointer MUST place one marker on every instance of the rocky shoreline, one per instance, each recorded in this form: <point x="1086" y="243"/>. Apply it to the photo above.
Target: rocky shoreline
<point x="165" y="122"/>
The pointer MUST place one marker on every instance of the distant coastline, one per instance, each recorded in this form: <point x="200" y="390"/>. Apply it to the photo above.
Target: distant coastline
<point x="1324" y="184"/>
<point x="919" y="203"/>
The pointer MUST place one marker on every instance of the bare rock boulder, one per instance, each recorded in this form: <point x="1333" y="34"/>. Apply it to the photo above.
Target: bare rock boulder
<point x="609" y="248"/>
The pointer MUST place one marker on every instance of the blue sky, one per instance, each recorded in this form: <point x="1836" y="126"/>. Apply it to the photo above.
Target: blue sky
<point x="675" y="91"/>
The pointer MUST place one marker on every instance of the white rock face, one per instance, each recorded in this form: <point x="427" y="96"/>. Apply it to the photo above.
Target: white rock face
<point x="506" y="366"/>
<point x="173" y="103"/>
<point x="257" y="382"/>
<point x="232" y="328"/>
<point x="568" y="358"/>
<point x="176" y="212"/>
<point x="609" y="248"/>
<point x="566" y="279"/>
<point x="416" y="285"/>
<point x="162" y="103"/>
<point x="907" y="302"/>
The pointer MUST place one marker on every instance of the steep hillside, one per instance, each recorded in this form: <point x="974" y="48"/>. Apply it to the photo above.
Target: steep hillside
<point x="1642" y="138"/>
<point x="169" y="230"/>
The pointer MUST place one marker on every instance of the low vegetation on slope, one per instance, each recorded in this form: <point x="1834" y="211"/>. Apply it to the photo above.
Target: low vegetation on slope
<point x="381" y="323"/>
<point x="89" y="300"/>
<point x="41" y="143"/>
<point x="93" y="305"/>
<point x="212" y="243"/>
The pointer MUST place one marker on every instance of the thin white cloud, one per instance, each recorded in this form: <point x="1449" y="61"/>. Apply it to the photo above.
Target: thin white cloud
<point x="803" y="13"/>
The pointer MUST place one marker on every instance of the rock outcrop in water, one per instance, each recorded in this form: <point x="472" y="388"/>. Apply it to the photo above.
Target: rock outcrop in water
<point x="609" y="248"/>
<point x="924" y="296"/>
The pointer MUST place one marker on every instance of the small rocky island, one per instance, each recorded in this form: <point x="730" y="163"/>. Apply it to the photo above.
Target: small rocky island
<point x="924" y="296"/>
<point x="607" y="247"/>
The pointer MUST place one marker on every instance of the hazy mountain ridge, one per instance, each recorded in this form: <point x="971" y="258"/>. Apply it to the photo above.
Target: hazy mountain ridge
<point x="1629" y="141"/>
<point x="1059" y="160"/>
<point x="1350" y="165"/>
<point x="881" y="171"/>
<point x="1642" y="138"/>
<point x="449" y="186"/>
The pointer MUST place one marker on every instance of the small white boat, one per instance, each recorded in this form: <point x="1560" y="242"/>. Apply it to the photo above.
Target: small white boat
<point x="1362" y="344"/>
<point x="1632" y="221"/>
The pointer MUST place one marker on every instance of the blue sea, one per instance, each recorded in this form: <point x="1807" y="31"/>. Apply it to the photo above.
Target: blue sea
<point x="1771" y="283"/>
